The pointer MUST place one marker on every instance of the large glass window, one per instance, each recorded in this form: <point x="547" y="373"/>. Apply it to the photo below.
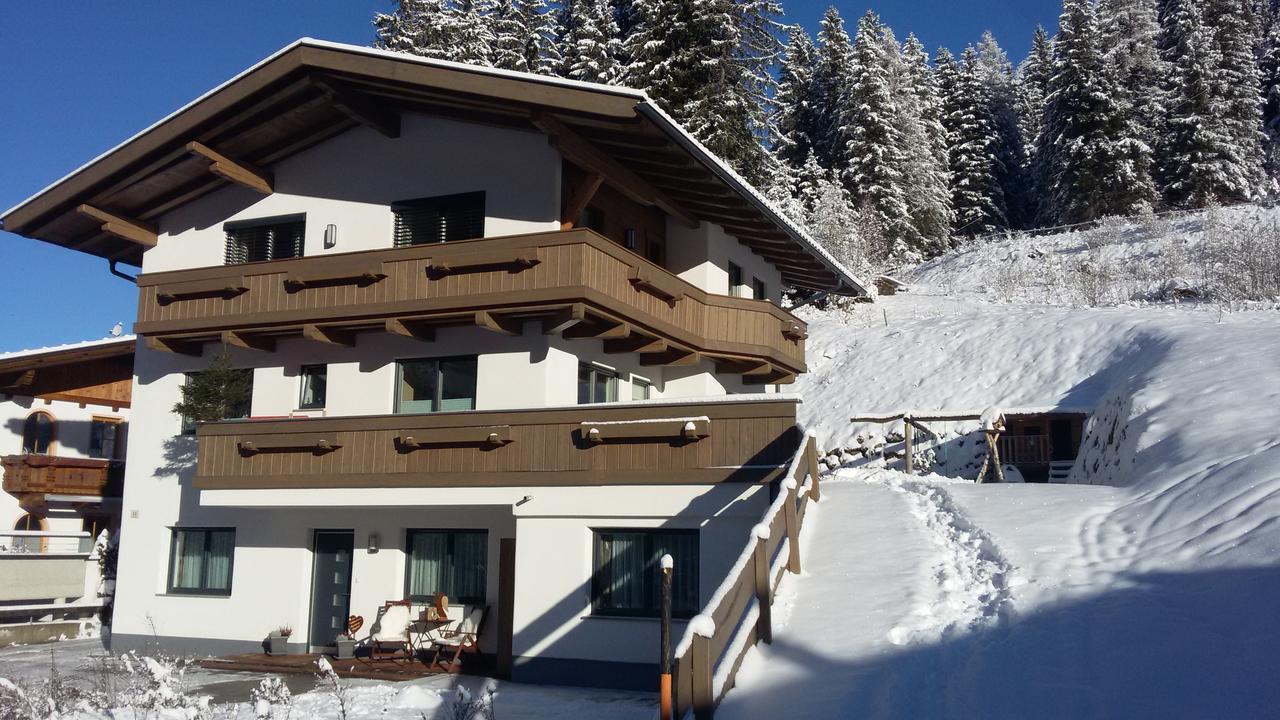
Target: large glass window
<point x="625" y="581"/>
<point x="104" y="433"/>
<point x="436" y="385"/>
<point x="200" y="560"/>
<point x="315" y="382"/>
<point x="37" y="433"/>
<point x="439" y="219"/>
<point x="453" y="562"/>
<point x="266" y="239"/>
<point x="596" y="385"/>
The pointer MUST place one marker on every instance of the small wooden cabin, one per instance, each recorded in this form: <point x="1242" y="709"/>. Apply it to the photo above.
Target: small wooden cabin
<point x="1042" y="444"/>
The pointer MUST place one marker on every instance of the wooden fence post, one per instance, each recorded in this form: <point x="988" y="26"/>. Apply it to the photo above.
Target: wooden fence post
<point x="793" y="532"/>
<point x="811" y="455"/>
<point x="908" y="435"/>
<point x="764" y="599"/>
<point x="703" y="699"/>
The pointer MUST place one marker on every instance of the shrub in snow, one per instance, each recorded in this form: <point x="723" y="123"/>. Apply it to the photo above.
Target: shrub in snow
<point x="327" y="681"/>
<point x="272" y="699"/>
<point x="465" y="707"/>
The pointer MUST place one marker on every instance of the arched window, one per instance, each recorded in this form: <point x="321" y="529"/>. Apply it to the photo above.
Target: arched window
<point x="30" y="544"/>
<point x="29" y="522"/>
<point x="37" y="433"/>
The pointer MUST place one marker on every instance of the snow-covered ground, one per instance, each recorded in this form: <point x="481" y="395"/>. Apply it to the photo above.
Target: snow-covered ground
<point x="1146" y="588"/>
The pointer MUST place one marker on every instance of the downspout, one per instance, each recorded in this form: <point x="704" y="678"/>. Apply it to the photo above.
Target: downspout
<point x="111" y="265"/>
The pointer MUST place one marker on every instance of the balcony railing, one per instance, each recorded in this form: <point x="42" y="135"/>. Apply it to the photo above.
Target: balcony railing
<point x="32" y="477"/>
<point x="580" y="284"/>
<point x="1026" y="449"/>
<point x="746" y="440"/>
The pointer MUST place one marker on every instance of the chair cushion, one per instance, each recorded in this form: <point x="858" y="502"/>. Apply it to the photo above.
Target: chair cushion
<point x="393" y="626"/>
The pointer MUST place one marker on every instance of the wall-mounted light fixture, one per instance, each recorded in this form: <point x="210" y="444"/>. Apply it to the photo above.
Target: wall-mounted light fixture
<point x="330" y="236"/>
<point x="524" y="500"/>
<point x="631" y="238"/>
<point x="374" y="539"/>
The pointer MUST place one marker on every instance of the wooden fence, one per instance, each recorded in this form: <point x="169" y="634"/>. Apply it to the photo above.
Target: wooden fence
<point x="739" y="614"/>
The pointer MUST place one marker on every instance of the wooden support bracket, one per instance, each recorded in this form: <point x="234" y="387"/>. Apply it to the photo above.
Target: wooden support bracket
<point x="583" y="190"/>
<point x="411" y="327"/>
<point x="303" y="442"/>
<point x="502" y="325"/>
<point x="265" y="343"/>
<point x="175" y="345"/>
<point x="564" y="319"/>
<point x="636" y="343"/>
<point x="329" y="335"/>
<point x="135" y="231"/>
<point x="234" y="171"/>
<point x="490" y="436"/>
<point x="602" y="330"/>
<point x="672" y="356"/>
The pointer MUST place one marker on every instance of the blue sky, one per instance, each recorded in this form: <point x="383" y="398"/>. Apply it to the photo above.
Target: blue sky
<point x="77" y="78"/>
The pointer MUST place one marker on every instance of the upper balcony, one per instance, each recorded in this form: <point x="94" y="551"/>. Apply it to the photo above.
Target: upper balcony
<point x="576" y="282"/>
<point x="34" y="478"/>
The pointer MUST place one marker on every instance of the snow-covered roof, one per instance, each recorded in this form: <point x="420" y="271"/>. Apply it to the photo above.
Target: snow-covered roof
<point x="124" y="343"/>
<point x="61" y="196"/>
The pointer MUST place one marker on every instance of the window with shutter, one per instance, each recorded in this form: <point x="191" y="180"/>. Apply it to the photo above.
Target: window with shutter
<point x="266" y="239"/>
<point x="439" y="219"/>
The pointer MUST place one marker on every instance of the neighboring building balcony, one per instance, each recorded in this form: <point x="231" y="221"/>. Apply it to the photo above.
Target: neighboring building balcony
<point x="576" y="281"/>
<point x="37" y="479"/>
<point x="41" y="566"/>
<point x="742" y="439"/>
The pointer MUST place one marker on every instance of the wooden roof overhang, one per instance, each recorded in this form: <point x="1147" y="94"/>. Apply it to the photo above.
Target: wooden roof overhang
<point x="312" y="91"/>
<point x="100" y="374"/>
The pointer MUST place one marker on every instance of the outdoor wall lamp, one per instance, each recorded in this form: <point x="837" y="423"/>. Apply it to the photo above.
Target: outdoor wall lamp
<point x="374" y="539"/>
<point x="524" y="500"/>
<point x="330" y="236"/>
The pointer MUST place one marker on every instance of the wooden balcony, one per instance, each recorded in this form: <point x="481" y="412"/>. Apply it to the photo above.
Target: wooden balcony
<point x="31" y="478"/>
<point x="579" y="283"/>
<point x="651" y="443"/>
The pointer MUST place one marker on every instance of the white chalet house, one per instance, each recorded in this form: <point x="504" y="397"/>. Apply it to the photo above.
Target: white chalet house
<point x="511" y="339"/>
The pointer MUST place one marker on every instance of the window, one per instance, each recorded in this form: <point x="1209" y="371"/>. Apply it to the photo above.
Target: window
<point x="268" y="239"/>
<point x="439" y="219"/>
<point x="641" y="389"/>
<point x="103" y="435"/>
<point x="37" y="433"/>
<point x="436" y="385"/>
<point x="625" y="579"/>
<point x="596" y="385"/>
<point x="200" y="560"/>
<point x="30" y="523"/>
<point x="453" y="562"/>
<point x="315" y="380"/>
<point x="759" y="290"/>
<point x="735" y="280"/>
<point x="239" y="411"/>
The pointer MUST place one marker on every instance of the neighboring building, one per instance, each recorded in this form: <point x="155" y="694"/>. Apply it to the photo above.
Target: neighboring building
<point x="1042" y="443"/>
<point x="511" y="337"/>
<point x="64" y="415"/>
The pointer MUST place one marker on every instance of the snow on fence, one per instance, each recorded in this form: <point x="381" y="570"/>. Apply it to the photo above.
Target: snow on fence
<point x="739" y="613"/>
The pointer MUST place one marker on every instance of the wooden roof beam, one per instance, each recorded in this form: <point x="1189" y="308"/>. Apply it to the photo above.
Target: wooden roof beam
<point x="582" y="189"/>
<point x="635" y="344"/>
<point x="582" y="153"/>
<point x="329" y="335"/>
<point x="564" y="319"/>
<point x="232" y="170"/>
<point x="363" y="109"/>
<point x="501" y="325"/>
<point x="671" y="356"/>
<point x="418" y="329"/>
<point x="135" y="231"/>
<point x="599" y="330"/>
<point x="249" y="341"/>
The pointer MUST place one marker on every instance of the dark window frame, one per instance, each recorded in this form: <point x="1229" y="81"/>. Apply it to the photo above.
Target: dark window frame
<point x="304" y="373"/>
<point x="736" y="277"/>
<point x="97" y="441"/>
<point x="235" y="254"/>
<point x="457" y="216"/>
<point x="759" y="289"/>
<point x="204" y="589"/>
<point x="595" y="371"/>
<point x="451" y="532"/>
<point x="31" y="446"/>
<point x="651" y="589"/>
<point x="438" y="400"/>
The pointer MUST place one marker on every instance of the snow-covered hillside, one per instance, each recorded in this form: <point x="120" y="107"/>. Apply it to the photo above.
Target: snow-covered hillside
<point x="1146" y="588"/>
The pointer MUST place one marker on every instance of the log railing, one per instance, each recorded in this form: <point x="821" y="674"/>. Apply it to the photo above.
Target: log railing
<point x="739" y="613"/>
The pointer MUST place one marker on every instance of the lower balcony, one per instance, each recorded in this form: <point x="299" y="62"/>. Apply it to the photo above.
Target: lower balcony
<point x="34" y="479"/>
<point x="745" y="439"/>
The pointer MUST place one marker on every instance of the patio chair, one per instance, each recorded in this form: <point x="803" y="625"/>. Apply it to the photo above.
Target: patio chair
<point x="389" y="638"/>
<point x="463" y="638"/>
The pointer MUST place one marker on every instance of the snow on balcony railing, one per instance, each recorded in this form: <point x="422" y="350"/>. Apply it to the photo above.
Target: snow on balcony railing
<point x="45" y="542"/>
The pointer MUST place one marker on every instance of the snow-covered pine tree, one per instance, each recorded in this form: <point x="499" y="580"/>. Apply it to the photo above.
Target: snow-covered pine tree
<point x="976" y="196"/>
<point x="1237" y="28"/>
<point x="832" y="72"/>
<point x="592" y="48"/>
<point x="795" y="119"/>
<point x="706" y="63"/>
<point x="510" y="35"/>
<point x="1130" y="41"/>
<point x="996" y="74"/>
<point x="1032" y="87"/>
<point x="420" y="27"/>
<point x="1095" y="163"/>
<point x="1269" y="66"/>
<point x="540" y="53"/>
<point x="472" y="36"/>
<point x="926" y="174"/>
<point x="1196" y="162"/>
<point x="870" y="129"/>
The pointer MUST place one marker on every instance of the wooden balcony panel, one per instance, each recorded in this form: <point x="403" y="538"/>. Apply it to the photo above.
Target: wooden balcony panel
<point x="26" y="475"/>
<point x="576" y="266"/>
<point x="542" y="447"/>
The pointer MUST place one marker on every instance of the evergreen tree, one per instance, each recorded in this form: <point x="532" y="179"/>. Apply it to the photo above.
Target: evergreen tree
<point x="976" y="195"/>
<point x="540" y="53"/>
<point x="1196" y="155"/>
<point x="1237" y="31"/>
<point x="995" y="72"/>
<point x="1032" y="88"/>
<point x="1130" y="41"/>
<point x="419" y="27"/>
<point x="796" y="122"/>
<point x="873" y="143"/>
<point x="216" y="393"/>
<point x="1269" y="67"/>
<point x="926" y="174"/>
<point x="590" y="49"/>
<point x="510" y="35"/>
<point x="1095" y="163"/>
<point x="832" y="73"/>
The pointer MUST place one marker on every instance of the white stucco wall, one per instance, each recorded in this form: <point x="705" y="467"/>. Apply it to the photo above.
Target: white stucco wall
<point x="702" y="256"/>
<point x="351" y="180"/>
